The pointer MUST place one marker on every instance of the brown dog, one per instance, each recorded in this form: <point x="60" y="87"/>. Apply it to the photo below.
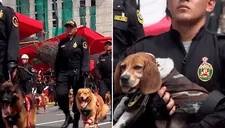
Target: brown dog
<point x="41" y="101"/>
<point x="91" y="107"/>
<point x="13" y="110"/>
<point x="108" y="98"/>
<point x="71" y="98"/>
<point x="142" y="72"/>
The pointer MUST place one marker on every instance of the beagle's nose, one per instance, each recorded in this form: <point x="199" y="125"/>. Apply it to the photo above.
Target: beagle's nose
<point x="125" y="78"/>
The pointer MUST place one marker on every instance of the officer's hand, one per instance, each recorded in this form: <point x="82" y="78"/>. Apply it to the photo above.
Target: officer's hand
<point x="85" y="74"/>
<point x="12" y="66"/>
<point x="167" y="99"/>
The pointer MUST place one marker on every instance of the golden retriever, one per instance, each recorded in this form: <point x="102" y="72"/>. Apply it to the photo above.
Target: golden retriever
<point x="142" y="72"/>
<point x="91" y="106"/>
<point x="14" y="111"/>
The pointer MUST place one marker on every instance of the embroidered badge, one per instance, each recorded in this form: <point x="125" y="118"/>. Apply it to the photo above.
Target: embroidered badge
<point x="122" y="18"/>
<point x="15" y="21"/>
<point x="1" y="14"/>
<point x="140" y="19"/>
<point x="84" y="45"/>
<point x="75" y="45"/>
<point x="205" y="70"/>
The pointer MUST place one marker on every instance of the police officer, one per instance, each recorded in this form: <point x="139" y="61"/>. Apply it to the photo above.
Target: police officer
<point x="39" y="86"/>
<point x="197" y="54"/>
<point x="26" y="75"/>
<point x="72" y="64"/>
<point x="9" y="44"/>
<point x="105" y="69"/>
<point x="127" y="26"/>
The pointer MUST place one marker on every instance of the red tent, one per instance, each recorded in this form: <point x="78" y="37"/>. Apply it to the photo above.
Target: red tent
<point x="28" y="26"/>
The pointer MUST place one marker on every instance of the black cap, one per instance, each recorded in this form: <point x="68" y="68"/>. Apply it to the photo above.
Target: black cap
<point x="108" y="42"/>
<point x="70" y="23"/>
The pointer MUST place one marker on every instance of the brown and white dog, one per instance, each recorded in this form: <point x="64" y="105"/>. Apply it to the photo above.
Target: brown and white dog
<point x="91" y="106"/>
<point x="108" y="98"/>
<point x="143" y="72"/>
<point x="13" y="110"/>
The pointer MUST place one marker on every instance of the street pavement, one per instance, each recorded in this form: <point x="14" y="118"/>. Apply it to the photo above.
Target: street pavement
<point x="54" y="118"/>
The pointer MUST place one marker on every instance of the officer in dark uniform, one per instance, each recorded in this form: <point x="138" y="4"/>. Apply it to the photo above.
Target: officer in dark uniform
<point x="9" y="48"/>
<point x="197" y="54"/>
<point x="26" y="75"/>
<point x="105" y="69"/>
<point x="127" y="26"/>
<point x="39" y="85"/>
<point x="72" y="64"/>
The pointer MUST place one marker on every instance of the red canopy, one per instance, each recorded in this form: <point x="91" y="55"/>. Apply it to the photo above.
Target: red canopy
<point x="28" y="26"/>
<point x="94" y="40"/>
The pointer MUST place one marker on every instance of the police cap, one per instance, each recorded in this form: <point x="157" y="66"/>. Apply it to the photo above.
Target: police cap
<point x="70" y="23"/>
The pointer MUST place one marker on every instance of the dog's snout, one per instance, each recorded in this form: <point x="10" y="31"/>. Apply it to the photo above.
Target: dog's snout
<point x="125" y="78"/>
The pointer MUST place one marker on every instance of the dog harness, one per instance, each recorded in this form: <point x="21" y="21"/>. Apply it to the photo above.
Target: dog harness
<point x="27" y="101"/>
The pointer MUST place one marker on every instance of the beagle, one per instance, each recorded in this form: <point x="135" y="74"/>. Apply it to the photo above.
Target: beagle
<point x="142" y="72"/>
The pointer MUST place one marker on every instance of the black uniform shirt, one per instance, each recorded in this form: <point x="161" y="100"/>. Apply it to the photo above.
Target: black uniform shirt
<point x="127" y="26"/>
<point x="72" y="54"/>
<point x="105" y="65"/>
<point x="203" y="64"/>
<point x="9" y="37"/>
<point x="26" y="72"/>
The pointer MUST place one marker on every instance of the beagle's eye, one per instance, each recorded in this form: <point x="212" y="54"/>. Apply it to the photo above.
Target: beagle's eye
<point x="123" y="67"/>
<point x="138" y="67"/>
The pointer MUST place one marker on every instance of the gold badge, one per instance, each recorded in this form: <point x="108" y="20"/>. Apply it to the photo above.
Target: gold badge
<point x="140" y="19"/>
<point x="84" y="45"/>
<point x="121" y="18"/>
<point x="15" y="21"/>
<point x="1" y="14"/>
<point x="75" y="45"/>
<point x="205" y="70"/>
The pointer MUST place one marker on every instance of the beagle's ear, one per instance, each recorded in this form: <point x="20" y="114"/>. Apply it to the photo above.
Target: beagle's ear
<point x="117" y="75"/>
<point x="150" y="81"/>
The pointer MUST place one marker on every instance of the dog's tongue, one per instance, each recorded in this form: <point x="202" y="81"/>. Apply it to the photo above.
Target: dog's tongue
<point x="83" y="104"/>
<point x="6" y="110"/>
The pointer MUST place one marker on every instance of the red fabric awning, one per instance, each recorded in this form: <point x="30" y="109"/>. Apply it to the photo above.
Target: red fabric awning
<point x="28" y="26"/>
<point x="94" y="40"/>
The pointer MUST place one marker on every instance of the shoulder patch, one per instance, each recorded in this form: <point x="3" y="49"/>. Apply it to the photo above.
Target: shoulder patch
<point x="85" y="45"/>
<point x="1" y="13"/>
<point x="140" y="19"/>
<point x="15" y="21"/>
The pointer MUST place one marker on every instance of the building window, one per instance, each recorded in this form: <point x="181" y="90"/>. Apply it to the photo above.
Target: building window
<point x="54" y="13"/>
<point x="54" y="23"/>
<point x="93" y="3"/>
<point x="82" y="3"/>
